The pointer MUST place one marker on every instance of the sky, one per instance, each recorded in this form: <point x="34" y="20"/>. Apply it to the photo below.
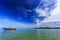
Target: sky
<point x="55" y="14"/>
<point x="8" y="23"/>
<point x="17" y="10"/>
<point x="25" y="11"/>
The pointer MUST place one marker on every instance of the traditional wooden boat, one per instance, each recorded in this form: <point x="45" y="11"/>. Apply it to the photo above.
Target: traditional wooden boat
<point x="9" y="28"/>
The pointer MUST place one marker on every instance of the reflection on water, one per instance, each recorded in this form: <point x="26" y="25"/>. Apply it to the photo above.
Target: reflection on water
<point x="30" y="34"/>
<point x="48" y="34"/>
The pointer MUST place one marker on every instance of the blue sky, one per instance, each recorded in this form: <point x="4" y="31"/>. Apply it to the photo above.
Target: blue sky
<point x="16" y="10"/>
<point x="22" y="11"/>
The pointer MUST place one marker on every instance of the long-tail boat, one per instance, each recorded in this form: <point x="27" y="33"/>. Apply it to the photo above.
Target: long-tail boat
<point x="9" y="28"/>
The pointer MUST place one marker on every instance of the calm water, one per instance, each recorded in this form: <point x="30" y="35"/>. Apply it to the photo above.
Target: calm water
<point x="30" y="34"/>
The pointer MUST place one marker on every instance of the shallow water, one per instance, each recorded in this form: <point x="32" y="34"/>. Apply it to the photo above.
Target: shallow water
<point x="30" y="34"/>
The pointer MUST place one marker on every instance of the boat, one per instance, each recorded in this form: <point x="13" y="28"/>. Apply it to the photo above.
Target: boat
<point x="9" y="28"/>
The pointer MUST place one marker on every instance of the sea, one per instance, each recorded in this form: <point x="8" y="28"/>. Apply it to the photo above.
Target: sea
<point x="30" y="34"/>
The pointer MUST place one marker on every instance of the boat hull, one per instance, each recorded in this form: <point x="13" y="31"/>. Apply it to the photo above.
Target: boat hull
<point x="9" y="28"/>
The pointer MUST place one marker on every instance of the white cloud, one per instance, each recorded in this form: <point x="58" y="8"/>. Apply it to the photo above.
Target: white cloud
<point x="10" y="23"/>
<point x="55" y="14"/>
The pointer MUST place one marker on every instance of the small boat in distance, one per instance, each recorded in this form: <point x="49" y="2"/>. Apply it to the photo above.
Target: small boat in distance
<point x="9" y="28"/>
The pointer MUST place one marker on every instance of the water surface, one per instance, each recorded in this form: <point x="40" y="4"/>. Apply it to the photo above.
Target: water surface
<point x="30" y="34"/>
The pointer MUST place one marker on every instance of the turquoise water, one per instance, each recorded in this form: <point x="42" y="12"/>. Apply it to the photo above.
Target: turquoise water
<point x="30" y="34"/>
